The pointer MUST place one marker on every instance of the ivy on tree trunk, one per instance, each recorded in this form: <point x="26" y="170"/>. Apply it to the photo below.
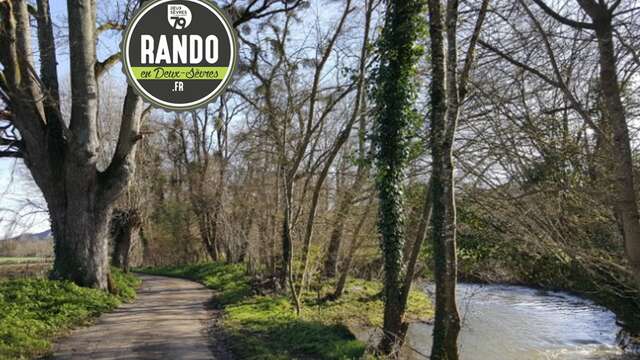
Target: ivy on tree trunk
<point x="394" y="128"/>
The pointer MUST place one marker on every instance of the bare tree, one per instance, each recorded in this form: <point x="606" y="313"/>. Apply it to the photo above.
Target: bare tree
<point x="63" y="157"/>
<point x="448" y="89"/>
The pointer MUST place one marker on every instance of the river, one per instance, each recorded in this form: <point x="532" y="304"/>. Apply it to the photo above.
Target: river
<point x="504" y="322"/>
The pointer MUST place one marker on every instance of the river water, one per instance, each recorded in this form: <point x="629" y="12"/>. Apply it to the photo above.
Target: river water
<point x="503" y="322"/>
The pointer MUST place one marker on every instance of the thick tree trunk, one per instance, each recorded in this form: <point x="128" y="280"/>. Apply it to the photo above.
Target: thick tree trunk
<point x="61" y="158"/>
<point x="81" y="242"/>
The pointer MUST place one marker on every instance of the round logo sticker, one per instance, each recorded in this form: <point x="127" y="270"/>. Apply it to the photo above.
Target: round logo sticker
<point x="179" y="54"/>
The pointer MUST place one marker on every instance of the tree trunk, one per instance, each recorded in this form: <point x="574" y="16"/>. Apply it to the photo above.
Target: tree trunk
<point x="205" y="224"/>
<point x="287" y="244"/>
<point x="414" y="252"/>
<point x="125" y="225"/>
<point x="614" y="113"/>
<point x="80" y="242"/>
<point x="344" y="209"/>
<point x="395" y="94"/>
<point x="355" y="245"/>
<point x="447" y="321"/>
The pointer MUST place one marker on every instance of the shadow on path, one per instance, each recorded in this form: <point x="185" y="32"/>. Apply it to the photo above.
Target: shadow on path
<point x="170" y="319"/>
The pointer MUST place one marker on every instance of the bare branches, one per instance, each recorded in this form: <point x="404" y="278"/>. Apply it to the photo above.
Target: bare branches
<point x="562" y="19"/>
<point x="109" y="25"/>
<point x="517" y="63"/>
<point x="11" y="154"/>
<point x="265" y="9"/>
<point x="470" y="56"/>
<point x="313" y="98"/>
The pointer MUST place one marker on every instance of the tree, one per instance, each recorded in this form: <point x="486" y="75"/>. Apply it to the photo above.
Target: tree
<point x="602" y="15"/>
<point x="395" y="94"/>
<point x="448" y="89"/>
<point x="609" y="122"/>
<point x="346" y="201"/>
<point x="63" y="156"/>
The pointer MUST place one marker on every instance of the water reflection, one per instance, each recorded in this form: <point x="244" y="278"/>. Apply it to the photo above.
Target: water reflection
<point x="502" y="322"/>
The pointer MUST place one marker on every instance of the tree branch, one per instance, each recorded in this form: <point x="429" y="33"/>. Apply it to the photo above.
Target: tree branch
<point x="469" y="59"/>
<point x="11" y="154"/>
<point x="518" y="63"/>
<point x="562" y="19"/>
<point x="262" y="12"/>
<point x="116" y="177"/>
<point x="48" y="61"/>
<point x="109" y="26"/>
<point x="108" y="63"/>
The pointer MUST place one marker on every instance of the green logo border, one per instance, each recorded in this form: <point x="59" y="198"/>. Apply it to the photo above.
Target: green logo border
<point x="203" y="102"/>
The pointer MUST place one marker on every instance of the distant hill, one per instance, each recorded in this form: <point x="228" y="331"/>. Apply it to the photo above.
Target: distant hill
<point x="44" y="235"/>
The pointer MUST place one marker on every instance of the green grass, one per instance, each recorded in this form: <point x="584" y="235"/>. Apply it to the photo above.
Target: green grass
<point x="229" y="280"/>
<point x="34" y="311"/>
<point x="22" y="260"/>
<point x="266" y="327"/>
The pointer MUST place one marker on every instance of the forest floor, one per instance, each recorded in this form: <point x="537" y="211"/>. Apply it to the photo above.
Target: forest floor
<point x="170" y="319"/>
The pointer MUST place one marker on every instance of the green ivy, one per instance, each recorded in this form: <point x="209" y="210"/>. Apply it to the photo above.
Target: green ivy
<point x="395" y="126"/>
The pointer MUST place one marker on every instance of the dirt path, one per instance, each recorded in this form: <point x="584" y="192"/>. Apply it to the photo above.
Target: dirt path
<point x="169" y="320"/>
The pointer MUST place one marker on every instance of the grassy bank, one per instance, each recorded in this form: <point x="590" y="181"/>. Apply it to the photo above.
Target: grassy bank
<point x="266" y="327"/>
<point x="34" y="311"/>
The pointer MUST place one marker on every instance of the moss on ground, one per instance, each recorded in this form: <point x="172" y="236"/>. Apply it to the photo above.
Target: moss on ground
<point x="266" y="327"/>
<point x="34" y="311"/>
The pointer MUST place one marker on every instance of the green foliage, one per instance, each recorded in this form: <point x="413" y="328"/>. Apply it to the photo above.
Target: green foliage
<point x="33" y="311"/>
<point x="125" y="285"/>
<point x="360" y="305"/>
<point x="266" y="327"/>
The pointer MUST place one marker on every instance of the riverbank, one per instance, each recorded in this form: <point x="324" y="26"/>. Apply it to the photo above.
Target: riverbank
<point x="35" y="311"/>
<point x="599" y="279"/>
<point x="581" y="254"/>
<point x="265" y="326"/>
